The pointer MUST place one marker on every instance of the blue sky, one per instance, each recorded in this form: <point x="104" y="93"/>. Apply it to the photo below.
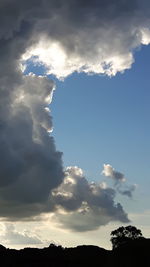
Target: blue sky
<point x="99" y="120"/>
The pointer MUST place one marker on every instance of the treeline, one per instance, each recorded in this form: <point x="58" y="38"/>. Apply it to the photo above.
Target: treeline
<point x="130" y="252"/>
<point x="135" y="254"/>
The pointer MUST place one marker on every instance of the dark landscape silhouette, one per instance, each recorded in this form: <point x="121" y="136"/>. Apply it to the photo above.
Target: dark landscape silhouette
<point x="132" y="251"/>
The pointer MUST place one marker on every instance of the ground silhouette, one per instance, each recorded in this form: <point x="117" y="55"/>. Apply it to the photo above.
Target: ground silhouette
<point x="129" y="254"/>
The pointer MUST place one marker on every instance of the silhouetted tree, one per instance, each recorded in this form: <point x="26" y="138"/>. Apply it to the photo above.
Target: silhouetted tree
<point x="52" y="245"/>
<point x="123" y="235"/>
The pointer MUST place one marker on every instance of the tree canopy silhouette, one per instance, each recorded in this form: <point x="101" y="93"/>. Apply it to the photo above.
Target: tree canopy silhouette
<point x="123" y="235"/>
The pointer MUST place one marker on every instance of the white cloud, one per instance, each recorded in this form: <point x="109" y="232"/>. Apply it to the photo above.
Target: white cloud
<point x="91" y="37"/>
<point x="11" y="236"/>
<point x="109" y="171"/>
<point x="56" y="61"/>
<point x="119" y="180"/>
<point x="145" y="36"/>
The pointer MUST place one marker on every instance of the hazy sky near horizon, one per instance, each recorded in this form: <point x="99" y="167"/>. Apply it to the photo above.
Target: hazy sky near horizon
<point x="74" y="120"/>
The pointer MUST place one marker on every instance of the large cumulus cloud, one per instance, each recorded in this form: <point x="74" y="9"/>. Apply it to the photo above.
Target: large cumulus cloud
<point x="30" y="165"/>
<point x="65" y="36"/>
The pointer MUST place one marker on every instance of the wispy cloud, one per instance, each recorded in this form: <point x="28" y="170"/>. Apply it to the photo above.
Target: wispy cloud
<point x="109" y="171"/>
<point x="11" y="236"/>
<point x="119" y="180"/>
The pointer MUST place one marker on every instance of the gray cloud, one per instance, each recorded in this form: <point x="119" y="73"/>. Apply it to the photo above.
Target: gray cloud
<point x="30" y="165"/>
<point x="119" y="180"/>
<point x="84" y="206"/>
<point x="67" y="36"/>
<point x="92" y="36"/>
<point x="127" y="191"/>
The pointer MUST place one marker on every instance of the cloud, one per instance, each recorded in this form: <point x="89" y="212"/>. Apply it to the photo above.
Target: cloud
<point x="65" y="36"/>
<point x="92" y="37"/>
<point x="84" y="206"/>
<point x="12" y="236"/>
<point x="128" y="190"/>
<point x="109" y="171"/>
<point x="30" y="164"/>
<point x="119" y="180"/>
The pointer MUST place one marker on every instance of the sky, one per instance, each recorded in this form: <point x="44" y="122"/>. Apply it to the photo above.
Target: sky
<point x="74" y="120"/>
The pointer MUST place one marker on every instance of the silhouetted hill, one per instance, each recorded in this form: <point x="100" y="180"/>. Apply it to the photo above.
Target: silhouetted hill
<point x="131" y="254"/>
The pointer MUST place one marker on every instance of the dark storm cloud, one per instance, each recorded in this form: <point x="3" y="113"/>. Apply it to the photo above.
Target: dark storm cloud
<point x="30" y="164"/>
<point x="90" y="36"/>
